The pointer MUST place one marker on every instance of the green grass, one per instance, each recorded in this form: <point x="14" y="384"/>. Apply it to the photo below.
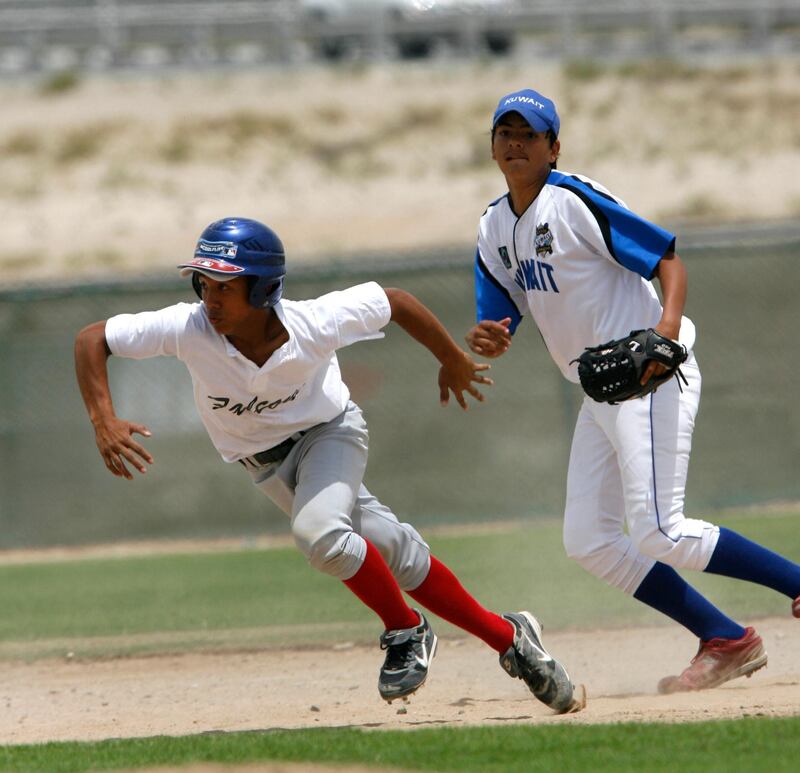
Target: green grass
<point x="218" y="599"/>
<point x="249" y="598"/>
<point x="745" y="745"/>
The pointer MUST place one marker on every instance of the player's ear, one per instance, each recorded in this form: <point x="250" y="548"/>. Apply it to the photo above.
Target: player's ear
<point x="555" y="151"/>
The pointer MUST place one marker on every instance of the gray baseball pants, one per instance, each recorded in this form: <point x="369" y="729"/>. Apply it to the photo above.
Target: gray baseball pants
<point x="319" y="486"/>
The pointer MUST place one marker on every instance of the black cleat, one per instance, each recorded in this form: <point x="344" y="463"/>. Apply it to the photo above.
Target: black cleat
<point x="409" y="652"/>
<point x="527" y="659"/>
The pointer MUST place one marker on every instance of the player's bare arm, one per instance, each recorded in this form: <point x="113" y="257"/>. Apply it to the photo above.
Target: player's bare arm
<point x="114" y="436"/>
<point x="489" y="338"/>
<point x="672" y="277"/>
<point x="459" y="372"/>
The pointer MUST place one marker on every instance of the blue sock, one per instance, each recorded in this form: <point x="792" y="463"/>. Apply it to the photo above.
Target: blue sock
<point x="665" y="590"/>
<point x="736" y="556"/>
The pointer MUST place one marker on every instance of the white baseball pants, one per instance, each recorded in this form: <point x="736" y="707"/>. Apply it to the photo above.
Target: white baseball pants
<point x="628" y="467"/>
<point x="319" y="486"/>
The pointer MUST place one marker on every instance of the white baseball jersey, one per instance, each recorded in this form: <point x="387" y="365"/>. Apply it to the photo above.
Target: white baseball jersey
<point x="578" y="260"/>
<point x="244" y="407"/>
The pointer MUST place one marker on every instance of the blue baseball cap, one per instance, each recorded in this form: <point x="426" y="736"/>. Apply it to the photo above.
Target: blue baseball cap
<point x="537" y="110"/>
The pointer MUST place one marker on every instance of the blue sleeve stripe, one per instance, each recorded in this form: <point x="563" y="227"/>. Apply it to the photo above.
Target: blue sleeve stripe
<point x="633" y="242"/>
<point x="494" y="203"/>
<point x="594" y="190"/>
<point x="599" y="216"/>
<point x="492" y="300"/>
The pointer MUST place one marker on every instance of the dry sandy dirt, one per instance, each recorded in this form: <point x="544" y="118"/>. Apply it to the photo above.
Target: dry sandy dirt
<point x="60" y="699"/>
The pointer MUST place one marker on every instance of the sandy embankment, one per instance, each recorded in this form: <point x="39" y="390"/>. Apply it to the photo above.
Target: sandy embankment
<point x="120" y="175"/>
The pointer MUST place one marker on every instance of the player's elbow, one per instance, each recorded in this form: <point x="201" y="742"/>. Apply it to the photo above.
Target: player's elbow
<point x="92" y="338"/>
<point x="400" y="301"/>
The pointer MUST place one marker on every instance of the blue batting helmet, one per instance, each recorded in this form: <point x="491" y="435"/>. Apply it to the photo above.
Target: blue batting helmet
<point x="238" y="246"/>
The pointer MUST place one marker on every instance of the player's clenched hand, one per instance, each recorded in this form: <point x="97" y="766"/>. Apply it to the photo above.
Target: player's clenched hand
<point x="459" y="374"/>
<point x="115" y="442"/>
<point x="489" y="338"/>
<point x="654" y="368"/>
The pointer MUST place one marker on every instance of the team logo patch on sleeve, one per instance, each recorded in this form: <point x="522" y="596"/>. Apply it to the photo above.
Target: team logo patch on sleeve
<point x="543" y="242"/>
<point x="504" y="256"/>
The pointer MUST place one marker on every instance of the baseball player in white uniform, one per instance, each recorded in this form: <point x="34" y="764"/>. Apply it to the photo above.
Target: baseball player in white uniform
<point x="268" y="388"/>
<point x="561" y="248"/>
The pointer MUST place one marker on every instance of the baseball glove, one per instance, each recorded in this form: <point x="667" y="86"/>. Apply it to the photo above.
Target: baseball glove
<point x="611" y="372"/>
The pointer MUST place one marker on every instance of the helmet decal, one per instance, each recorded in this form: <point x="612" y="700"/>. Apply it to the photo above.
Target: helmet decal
<point x="223" y="249"/>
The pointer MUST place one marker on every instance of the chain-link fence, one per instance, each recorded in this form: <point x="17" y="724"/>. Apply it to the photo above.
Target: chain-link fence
<point x="502" y="459"/>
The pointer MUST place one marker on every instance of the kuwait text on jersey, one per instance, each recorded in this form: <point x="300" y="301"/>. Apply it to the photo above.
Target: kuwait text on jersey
<point x="535" y="275"/>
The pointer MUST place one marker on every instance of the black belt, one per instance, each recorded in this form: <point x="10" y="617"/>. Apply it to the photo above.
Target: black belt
<point x="279" y="452"/>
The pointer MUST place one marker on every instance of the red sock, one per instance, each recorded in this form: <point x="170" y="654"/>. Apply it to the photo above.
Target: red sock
<point x="376" y="586"/>
<point x="444" y="595"/>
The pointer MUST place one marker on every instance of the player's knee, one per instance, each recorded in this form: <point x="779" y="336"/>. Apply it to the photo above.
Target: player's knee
<point x="685" y="543"/>
<point x="336" y="552"/>
<point x="655" y="543"/>
<point x="406" y="554"/>
<point x="400" y="544"/>
<point x="606" y="559"/>
<point x="579" y="549"/>
<point x="592" y="559"/>
<point x="411" y="567"/>
<point x="323" y="552"/>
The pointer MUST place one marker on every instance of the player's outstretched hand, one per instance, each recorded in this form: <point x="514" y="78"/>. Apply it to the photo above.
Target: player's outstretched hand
<point x="116" y="445"/>
<point x="489" y="338"/>
<point x="459" y="374"/>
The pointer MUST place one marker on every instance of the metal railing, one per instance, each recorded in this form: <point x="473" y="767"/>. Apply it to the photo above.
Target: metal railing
<point x="118" y="33"/>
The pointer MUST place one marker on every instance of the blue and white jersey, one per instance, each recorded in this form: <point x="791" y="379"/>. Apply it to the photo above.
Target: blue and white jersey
<point x="578" y="260"/>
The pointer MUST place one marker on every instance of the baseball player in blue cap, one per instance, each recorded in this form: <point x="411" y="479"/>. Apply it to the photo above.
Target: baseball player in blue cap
<point x="269" y="391"/>
<point x="560" y="247"/>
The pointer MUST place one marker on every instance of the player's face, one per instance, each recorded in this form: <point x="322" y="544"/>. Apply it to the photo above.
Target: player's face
<point x="523" y="155"/>
<point x="227" y="307"/>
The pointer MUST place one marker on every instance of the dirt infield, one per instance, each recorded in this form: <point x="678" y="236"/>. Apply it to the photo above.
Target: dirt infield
<point x="195" y="693"/>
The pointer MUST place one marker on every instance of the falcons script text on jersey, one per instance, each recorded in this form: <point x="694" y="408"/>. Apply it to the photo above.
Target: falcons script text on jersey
<point x="255" y="405"/>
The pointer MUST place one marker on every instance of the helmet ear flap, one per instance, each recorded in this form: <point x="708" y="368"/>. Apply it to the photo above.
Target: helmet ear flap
<point x="265" y="292"/>
<point x="196" y="284"/>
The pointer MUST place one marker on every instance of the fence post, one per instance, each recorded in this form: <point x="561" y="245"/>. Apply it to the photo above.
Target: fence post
<point x="568" y="26"/>
<point x="663" y="31"/>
